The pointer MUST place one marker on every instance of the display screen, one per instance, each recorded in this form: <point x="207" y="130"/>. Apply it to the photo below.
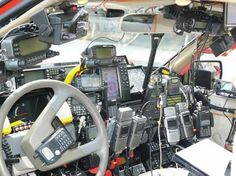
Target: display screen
<point x="104" y="53"/>
<point x="91" y="81"/>
<point x="109" y="75"/>
<point x="124" y="131"/>
<point x="186" y="119"/>
<point x="33" y="75"/>
<point x="174" y="80"/>
<point x="226" y="86"/>
<point x="139" y="127"/>
<point x="136" y="79"/>
<point x="92" y="132"/>
<point x="32" y="45"/>
<point x="200" y="25"/>
<point x="205" y="122"/>
<point x="172" y="123"/>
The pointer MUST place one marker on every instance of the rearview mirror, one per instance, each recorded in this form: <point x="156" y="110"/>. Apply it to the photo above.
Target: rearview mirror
<point x="146" y="23"/>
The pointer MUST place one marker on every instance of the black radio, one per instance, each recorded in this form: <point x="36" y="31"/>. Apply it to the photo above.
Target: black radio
<point x="89" y="82"/>
<point x="25" y="50"/>
<point x="101" y="52"/>
<point x="153" y="149"/>
<point x="59" y="28"/>
<point x="203" y="121"/>
<point x="53" y="147"/>
<point x="23" y="45"/>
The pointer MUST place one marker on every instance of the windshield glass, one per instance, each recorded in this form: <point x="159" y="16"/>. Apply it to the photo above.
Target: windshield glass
<point x="134" y="45"/>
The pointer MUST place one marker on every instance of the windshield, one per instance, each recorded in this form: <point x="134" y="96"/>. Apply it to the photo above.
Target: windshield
<point x="135" y="46"/>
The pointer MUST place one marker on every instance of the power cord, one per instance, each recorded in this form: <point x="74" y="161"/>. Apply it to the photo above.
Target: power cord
<point x="224" y="111"/>
<point x="159" y="132"/>
<point x="150" y="151"/>
<point x="24" y="24"/>
<point x="107" y="38"/>
<point x="9" y="156"/>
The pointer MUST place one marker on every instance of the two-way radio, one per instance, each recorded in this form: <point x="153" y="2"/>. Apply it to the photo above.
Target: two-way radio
<point x="172" y="125"/>
<point x="203" y="122"/>
<point x="185" y="120"/>
<point x="121" y="131"/>
<point x="136" y="132"/>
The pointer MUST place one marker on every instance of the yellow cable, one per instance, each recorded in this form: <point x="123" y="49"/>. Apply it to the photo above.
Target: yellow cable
<point x="70" y="76"/>
<point x="17" y="123"/>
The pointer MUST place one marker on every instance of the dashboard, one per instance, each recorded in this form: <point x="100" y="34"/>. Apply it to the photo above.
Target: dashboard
<point x="130" y="114"/>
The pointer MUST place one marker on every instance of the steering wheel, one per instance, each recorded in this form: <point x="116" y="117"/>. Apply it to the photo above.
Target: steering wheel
<point x="42" y="127"/>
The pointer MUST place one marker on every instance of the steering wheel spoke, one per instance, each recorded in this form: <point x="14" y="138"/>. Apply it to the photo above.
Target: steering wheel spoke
<point x="91" y="147"/>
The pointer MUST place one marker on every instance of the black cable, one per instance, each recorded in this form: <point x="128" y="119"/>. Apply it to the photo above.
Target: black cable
<point x="107" y="38"/>
<point x="8" y="152"/>
<point x="127" y="158"/>
<point x="145" y="104"/>
<point x="76" y="167"/>
<point x="229" y="110"/>
<point x="203" y="46"/>
<point x="231" y="131"/>
<point x="224" y="111"/>
<point x="150" y="153"/>
<point x="132" y="167"/>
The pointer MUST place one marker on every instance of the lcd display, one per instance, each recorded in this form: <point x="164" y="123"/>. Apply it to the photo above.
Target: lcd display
<point x="124" y="131"/>
<point x="226" y="86"/>
<point x="109" y="75"/>
<point x="92" y="132"/>
<point x="91" y="81"/>
<point x="139" y="127"/>
<point x="31" y="46"/>
<point x="33" y="75"/>
<point x="172" y="123"/>
<point x="200" y="25"/>
<point x="104" y="53"/>
<point x="136" y="79"/>
<point x="186" y="119"/>
<point x="205" y="122"/>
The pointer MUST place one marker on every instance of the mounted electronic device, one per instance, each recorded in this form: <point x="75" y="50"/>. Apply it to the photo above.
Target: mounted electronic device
<point x="117" y="81"/>
<point x="203" y="121"/>
<point x="121" y="131"/>
<point x="193" y="19"/>
<point x="136" y="132"/>
<point x="112" y="68"/>
<point x="172" y="125"/>
<point x="59" y="28"/>
<point x="186" y="127"/>
<point x="102" y="55"/>
<point x="24" y="50"/>
<point x="101" y="52"/>
<point x="206" y="73"/>
<point x="89" y="82"/>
